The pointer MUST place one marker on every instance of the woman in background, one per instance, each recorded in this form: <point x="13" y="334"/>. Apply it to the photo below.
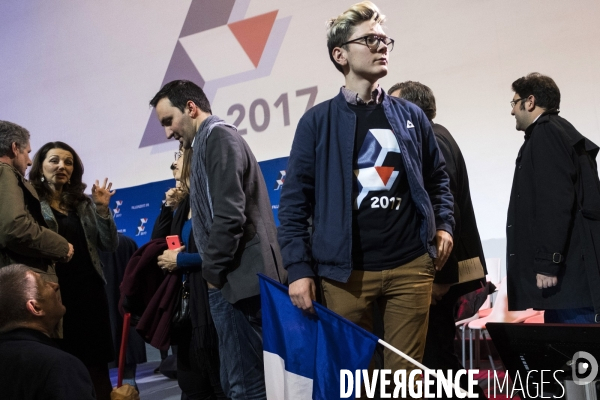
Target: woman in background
<point x="87" y="223"/>
<point x="160" y="230"/>
<point x="197" y="344"/>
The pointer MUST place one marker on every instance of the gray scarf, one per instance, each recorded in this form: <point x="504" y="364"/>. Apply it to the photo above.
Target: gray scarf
<point x="202" y="208"/>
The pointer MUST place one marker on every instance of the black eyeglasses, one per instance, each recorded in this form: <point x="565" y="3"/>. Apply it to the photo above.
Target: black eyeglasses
<point x="514" y="102"/>
<point x="178" y="155"/>
<point x="373" y="42"/>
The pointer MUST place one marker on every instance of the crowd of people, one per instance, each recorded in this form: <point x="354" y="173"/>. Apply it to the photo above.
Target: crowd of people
<point x="50" y="225"/>
<point x="376" y="222"/>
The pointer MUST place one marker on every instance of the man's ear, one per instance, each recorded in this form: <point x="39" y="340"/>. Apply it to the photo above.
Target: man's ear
<point x="530" y="103"/>
<point x="339" y="56"/>
<point x="34" y="308"/>
<point x="15" y="149"/>
<point x="192" y="109"/>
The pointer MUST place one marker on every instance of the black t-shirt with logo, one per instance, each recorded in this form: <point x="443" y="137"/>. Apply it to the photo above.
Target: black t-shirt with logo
<point x="385" y="221"/>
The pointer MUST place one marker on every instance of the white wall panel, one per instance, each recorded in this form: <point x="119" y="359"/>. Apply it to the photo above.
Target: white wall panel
<point x="84" y="71"/>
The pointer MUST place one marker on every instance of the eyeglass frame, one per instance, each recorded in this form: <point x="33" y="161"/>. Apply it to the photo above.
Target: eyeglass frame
<point x="513" y="103"/>
<point x="178" y="155"/>
<point x="380" y="40"/>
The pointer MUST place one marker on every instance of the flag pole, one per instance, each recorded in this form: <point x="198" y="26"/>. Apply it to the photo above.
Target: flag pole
<point x="418" y="364"/>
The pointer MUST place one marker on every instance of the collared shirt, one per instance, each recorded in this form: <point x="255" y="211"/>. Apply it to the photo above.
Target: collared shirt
<point x="353" y="98"/>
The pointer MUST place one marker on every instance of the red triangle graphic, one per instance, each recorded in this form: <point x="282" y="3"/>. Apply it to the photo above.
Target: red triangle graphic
<point x="384" y="173"/>
<point x="253" y="33"/>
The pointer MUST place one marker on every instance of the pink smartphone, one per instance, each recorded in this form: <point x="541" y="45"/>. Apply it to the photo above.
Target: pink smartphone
<point x="173" y="242"/>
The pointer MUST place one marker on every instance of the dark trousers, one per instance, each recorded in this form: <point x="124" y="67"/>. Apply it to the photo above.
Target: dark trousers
<point x="584" y="315"/>
<point x="197" y="383"/>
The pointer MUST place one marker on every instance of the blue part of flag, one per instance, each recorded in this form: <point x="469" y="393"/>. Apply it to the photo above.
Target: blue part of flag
<point x="316" y="347"/>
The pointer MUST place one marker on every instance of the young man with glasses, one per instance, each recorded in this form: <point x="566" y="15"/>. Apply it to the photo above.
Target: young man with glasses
<point x="365" y="168"/>
<point x="552" y="260"/>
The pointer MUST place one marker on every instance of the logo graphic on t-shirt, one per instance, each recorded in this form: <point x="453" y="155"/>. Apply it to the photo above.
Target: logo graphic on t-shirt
<point x="409" y="124"/>
<point x="371" y="173"/>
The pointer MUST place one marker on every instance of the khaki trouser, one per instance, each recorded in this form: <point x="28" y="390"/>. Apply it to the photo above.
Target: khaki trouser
<point x="49" y="275"/>
<point x="403" y="295"/>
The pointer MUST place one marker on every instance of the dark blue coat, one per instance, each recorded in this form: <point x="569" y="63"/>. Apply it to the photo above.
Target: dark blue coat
<point x="319" y="180"/>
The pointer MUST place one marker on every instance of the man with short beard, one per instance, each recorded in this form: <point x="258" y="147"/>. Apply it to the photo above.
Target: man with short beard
<point x="552" y="260"/>
<point x="233" y="227"/>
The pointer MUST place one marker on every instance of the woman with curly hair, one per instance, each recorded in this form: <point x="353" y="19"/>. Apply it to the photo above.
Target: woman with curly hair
<point x="87" y="223"/>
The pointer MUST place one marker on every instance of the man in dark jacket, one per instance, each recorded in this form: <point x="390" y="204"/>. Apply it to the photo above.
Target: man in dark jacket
<point x="233" y="227"/>
<point x="549" y="266"/>
<point x="365" y="167"/>
<point x="32" y="367"/>
<point x="465" y="269"/>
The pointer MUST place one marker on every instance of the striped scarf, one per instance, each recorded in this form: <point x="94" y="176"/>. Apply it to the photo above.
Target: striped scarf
<point x="202" y="208"/>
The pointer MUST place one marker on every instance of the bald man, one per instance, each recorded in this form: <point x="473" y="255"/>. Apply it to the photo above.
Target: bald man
<point x="32" y="367"/>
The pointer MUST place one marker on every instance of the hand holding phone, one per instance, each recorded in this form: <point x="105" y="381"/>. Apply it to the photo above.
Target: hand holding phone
<point x="173" y="242"/>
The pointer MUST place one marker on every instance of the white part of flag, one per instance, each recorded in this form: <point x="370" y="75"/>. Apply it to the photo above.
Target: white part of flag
<point x="284" y="385"/>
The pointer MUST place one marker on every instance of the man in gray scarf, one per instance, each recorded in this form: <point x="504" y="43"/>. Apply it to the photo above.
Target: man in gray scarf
<point x="233" y="228"/>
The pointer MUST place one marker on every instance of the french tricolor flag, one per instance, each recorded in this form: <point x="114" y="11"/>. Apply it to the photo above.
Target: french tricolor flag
<point x="303" y="355"/>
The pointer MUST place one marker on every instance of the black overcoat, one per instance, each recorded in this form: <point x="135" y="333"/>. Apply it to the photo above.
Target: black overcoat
<point x="548" y="226"/>
<point x="467" y="243"/>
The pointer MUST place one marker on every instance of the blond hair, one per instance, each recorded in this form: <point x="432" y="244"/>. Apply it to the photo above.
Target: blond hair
<point x="341" y="28"/>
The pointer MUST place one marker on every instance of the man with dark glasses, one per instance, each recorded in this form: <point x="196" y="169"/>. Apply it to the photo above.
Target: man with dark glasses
<point x="552" y="222"/>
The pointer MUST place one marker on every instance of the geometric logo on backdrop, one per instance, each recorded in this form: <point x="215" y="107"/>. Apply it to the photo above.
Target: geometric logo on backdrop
<point x="280" y="180"/>
<point x="117" y="208"/>
<point x="219" y="47"/>
<point x="141" y="226"/>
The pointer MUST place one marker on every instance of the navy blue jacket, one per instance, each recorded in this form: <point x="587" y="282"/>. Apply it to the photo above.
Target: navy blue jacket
<point x="319" y="180"/>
